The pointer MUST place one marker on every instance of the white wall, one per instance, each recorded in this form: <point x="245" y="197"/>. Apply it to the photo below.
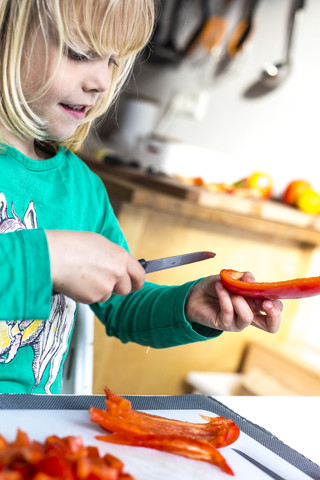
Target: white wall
<point x="277" y="132"/>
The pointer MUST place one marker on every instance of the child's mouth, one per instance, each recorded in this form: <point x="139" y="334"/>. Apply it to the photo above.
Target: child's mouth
<point x="77" y="111"/>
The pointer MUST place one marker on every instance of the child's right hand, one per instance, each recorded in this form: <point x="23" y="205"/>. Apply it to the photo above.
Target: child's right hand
<point x="88" y="267"/>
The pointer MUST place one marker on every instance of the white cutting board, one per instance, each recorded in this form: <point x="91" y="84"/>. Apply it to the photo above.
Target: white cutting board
<point x="147" y="464"/>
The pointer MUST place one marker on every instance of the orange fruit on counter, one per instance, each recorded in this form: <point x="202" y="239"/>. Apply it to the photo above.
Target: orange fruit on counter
<point x="198" y="181"/>
<point x="294" y="190"/>
<point x="262" y="182"/>
<point x="309" y="201"/>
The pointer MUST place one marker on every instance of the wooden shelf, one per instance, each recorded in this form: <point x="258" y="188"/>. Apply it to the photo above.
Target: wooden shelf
<point x="265" y="217"/>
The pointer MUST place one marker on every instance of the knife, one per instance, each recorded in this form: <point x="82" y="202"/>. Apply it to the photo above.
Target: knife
<point x="176" y="261"/>
<point x="259" y="465"/>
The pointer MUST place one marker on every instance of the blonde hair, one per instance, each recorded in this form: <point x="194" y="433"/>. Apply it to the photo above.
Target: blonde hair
<point x="102" y="26"/>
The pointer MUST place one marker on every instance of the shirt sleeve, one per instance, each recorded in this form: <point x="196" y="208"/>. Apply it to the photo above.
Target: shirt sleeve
<point x="153" y="316"/>
<point x="25" y="279"/>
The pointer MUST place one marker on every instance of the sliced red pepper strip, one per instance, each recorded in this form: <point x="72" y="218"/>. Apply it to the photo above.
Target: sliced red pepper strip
<point x="296" y="288"/>
<point x="219" y="431"/>
<point x="178" y="445"/>
<point x="182" y="438"/>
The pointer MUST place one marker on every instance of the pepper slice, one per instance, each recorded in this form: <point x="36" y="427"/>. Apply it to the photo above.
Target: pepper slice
<point x="196" y="449"/>
<point x="287" y="289"/>
<point x="198" y="441"/>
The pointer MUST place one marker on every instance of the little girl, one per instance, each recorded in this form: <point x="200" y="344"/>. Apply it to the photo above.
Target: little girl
<point x="62" y="64"/>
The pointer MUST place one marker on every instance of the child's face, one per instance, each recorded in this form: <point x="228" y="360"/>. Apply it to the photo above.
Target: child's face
<point x="77" y="85"/>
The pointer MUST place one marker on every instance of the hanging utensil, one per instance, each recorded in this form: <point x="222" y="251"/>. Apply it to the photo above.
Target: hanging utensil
<point x="273" y="73"/>
<point x="166" y="47"/>
<point x="239" y="37"/>
<point x="210" y="35"/>
<point x="212" y="32"/>
<point x="243" y="29"/>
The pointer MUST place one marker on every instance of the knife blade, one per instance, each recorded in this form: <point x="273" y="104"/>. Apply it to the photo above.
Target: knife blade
<point x="175" y="261"/>
<point x="259" y="465"/>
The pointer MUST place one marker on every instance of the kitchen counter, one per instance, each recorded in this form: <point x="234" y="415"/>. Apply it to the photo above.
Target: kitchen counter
<point x="157" y="191"/>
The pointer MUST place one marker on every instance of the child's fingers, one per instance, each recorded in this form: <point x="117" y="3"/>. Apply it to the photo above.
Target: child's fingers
<point x="235" y="313"/>
<point x="137" y="274"/>
<point x="244" y="316"/>
<point x="268" y="315"/>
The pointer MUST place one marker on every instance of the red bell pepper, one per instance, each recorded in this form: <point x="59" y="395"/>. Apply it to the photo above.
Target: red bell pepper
<point x="193" y="440"/>
<point x="297" y="288"/>
<point x="56" y="458"/>
<point x="197" y="449"/>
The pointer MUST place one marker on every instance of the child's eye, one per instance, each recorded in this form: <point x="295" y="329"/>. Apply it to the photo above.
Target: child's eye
<point x="81" y="57"/>
<point x="78" y="57"/>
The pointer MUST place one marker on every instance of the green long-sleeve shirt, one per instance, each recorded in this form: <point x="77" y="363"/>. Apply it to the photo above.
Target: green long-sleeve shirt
<point x="35" y="327"/>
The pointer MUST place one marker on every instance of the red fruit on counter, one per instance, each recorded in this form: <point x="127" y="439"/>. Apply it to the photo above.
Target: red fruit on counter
<point x="294" y="190"/>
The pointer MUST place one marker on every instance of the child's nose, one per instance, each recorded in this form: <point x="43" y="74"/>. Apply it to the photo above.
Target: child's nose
<point x="98" y="78"/>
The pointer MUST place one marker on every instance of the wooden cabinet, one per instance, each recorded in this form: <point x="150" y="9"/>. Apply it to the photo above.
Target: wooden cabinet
<point x="283" y="369"/>
<point x="269" y="240"/>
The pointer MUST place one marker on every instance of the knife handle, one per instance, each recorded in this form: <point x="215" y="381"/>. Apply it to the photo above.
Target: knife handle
<point x="143" y="262"/>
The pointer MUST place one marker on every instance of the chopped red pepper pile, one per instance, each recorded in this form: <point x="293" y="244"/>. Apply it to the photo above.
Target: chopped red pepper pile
<point x="297" y="288"/>
<point x="57" y="458"/>
<point x="198" y="441"/>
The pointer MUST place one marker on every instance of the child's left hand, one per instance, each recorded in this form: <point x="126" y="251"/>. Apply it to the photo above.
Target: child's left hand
<point x="210" y="304"/>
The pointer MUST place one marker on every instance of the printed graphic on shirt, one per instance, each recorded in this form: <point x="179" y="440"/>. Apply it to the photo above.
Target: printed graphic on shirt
<point x="49" y="339"/>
